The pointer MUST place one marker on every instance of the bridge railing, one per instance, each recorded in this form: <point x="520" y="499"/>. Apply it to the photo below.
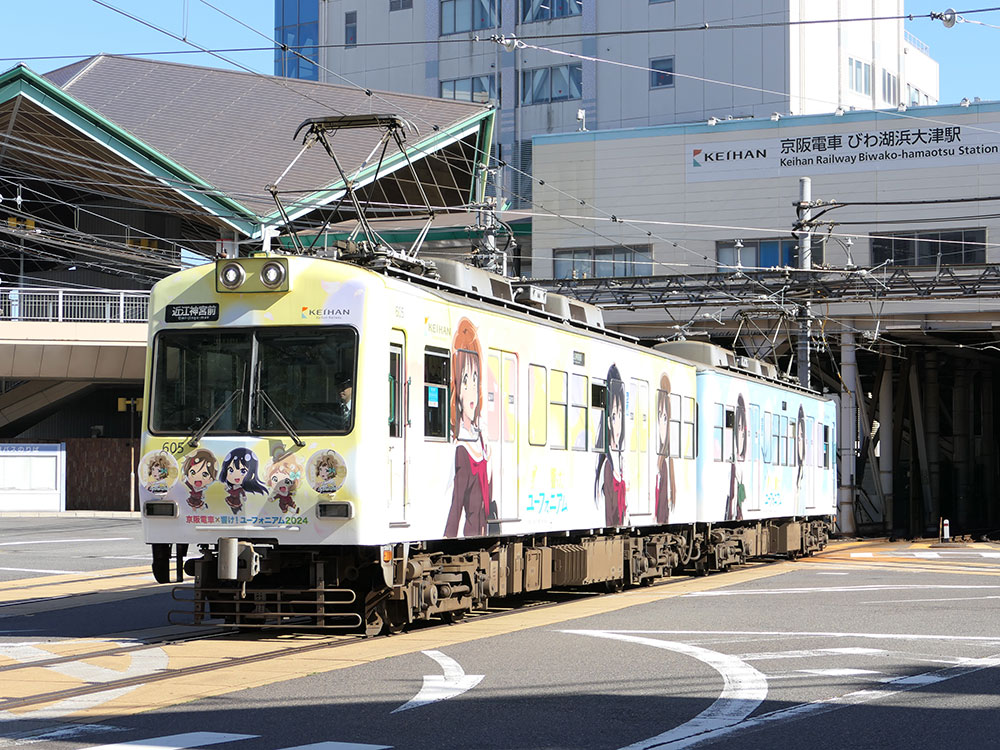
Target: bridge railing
<point x="71" y="306"/>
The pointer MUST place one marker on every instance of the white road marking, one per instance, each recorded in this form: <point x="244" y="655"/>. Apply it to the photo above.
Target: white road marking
<point x="68" y="541"/>
<point x="810" y="652"/>
<point x="927" y="555"/>
<point x="837" y="672"/>
<point x="178" y="741"/>
<point x="147" y="661"/>
<point x="744" y="688"/>
<point x="830" y="573"/>
<point x="862" y="554"/>
<point x="437" y="687"/>
<point x="125" y="557"/>
<point x="837" y="589"/>
<point x="817" y="634"/>
<point x="948" y="599"/>
<point x="39" y="570"/>
<point x="825" y="705"/>
<point x="60" y="732"/>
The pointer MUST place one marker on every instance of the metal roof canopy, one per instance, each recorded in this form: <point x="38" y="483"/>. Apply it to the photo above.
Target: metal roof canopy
<point x="233" y="130"/>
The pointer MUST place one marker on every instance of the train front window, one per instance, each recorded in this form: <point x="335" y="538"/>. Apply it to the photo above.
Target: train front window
<point x="306" y="379"/>
<point x="198" y="376"/>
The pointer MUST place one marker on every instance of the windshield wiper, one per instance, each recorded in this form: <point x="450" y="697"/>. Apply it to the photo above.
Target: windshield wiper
<point x="262" y="395"/>
<point x="199" y="432"/>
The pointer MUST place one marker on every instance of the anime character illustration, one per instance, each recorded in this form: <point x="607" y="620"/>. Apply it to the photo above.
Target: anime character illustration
<point x="283" y="478"/>
<point x="200" y="468"/>
<point x="157" y="472"/>
<point x="472" y="491"/>
<point x="737" y="490"/>
<point x="666" y="484"/>
<point x="327" y="471"/>
<point x="612" y="461"/>
<point x="800" y="448"/>
<point x="239" y="475"/>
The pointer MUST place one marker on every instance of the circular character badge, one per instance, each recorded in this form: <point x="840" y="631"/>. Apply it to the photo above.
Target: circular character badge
<point x="158" y="472"/>
<point x="326" y="471"/>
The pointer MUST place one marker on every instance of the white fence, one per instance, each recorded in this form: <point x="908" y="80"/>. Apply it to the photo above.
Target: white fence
<point x="66" y="305"/>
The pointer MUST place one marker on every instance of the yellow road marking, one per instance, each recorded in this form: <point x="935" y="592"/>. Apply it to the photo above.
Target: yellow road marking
<point x="123" y="579"/>
<point x="227" y="679"/>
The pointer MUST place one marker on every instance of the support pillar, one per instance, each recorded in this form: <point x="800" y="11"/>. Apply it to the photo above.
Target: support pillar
<point x="848" y="438"/>
<point x="887" y="429"/>
<point x="932" y="425"/>
<point x="961" y="411"/>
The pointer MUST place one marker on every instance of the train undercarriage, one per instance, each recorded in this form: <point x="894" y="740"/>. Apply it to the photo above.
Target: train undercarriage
<point x="261" y="584"/>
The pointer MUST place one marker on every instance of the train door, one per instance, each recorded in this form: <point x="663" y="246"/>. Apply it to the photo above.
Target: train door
<point x="756" y="460"/>
<point x="808" y="468"/>
<point x="501" y="429"/>
<point x="398" y="426"/>
<point x="638" y="441"/>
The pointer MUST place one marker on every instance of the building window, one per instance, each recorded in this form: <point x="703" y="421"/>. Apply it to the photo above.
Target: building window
<point x="351" y="28"/>
<point x="558" y="83"/>
<point x="890" y="88"/>
<point x="859" y="76"/>
<point x="543" y="10"/>
<point x="458" y="16"/>
<point x="764" y="254"/>
<point x="296" y="25"/>
<point x="603" y="262"/>
<point x="956" y="247"/>
<point x="662" y="73"/>
<point x="475" y="89"/>
<point x="400" y="5"/>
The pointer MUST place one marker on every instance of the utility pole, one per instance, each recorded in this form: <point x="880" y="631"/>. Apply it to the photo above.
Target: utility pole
<point x="805" y="264"/>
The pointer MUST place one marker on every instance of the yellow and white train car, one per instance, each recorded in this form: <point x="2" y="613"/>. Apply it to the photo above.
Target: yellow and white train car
<point x="352" y="448"/>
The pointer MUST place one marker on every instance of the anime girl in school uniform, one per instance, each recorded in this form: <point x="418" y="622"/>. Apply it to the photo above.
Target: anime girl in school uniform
<point x="737" y="489"/>
<point x="472" y="492"/>
<point x="239" y="476"/>
<point x="610" y="475"/>
<point x="666" y="484"/>
<point x="200" y="468"/>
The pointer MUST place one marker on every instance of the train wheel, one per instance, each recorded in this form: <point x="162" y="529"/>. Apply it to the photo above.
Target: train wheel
<point x="375" y="620"/>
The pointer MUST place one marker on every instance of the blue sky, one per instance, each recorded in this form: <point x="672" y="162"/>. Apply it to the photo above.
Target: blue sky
<point x="967" y="53"/>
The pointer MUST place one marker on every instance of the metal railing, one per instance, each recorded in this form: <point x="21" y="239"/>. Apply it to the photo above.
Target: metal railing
<point x="916" y="43"/>
<point x="69" y="305"/>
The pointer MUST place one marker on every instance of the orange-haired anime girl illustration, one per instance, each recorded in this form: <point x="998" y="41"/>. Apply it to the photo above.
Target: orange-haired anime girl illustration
<point x="473" y="484"/>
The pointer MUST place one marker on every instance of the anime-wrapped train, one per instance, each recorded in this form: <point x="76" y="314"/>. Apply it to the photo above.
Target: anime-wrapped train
<point x="334" y="446"/>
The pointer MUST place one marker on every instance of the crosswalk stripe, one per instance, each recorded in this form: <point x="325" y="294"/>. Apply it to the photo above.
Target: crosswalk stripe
<point x="179" y="741"/>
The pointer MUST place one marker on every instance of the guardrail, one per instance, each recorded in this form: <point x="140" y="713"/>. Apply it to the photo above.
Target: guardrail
<point x="71" y="306"/>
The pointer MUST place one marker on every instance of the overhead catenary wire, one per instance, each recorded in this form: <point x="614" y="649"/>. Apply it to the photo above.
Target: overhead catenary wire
<point x="616" y="242"/>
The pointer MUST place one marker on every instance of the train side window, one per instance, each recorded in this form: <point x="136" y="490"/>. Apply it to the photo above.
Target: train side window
<point x="810" y="441"/>
<point x="436" y="396"/>
<point x="689" y="439"/>
<point x="578" y="412"/>
<point x="718" y="431"/>
<point x="775" y="429"/>
<point x="396" y="418"/>
<point x="826" y="446"/>
<point x="729" y="441"/>
<point x="765" y="440"/>
<point x="674" y="439"/>
<point x="558" y="384"/>
<point x="793" y="459"/>
<point x="537" y="405"/>
<point x="783" y="442"/>
<point x="598" y="400"/>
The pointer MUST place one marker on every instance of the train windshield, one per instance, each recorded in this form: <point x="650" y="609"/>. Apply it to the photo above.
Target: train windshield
<point x="264" y="381"/>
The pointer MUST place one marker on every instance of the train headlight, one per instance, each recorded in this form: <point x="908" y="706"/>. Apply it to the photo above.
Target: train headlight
<point x="232" y="275"/>
<point x="335" y="509"/>
<point x="161" y="509"/>
<point x="272" y="274"/>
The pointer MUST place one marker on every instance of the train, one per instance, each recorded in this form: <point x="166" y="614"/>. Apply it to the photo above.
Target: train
<point x="357" y="446"/>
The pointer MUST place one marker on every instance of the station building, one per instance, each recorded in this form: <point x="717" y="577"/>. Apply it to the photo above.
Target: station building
<point x="628" y="63"/>
<point x="690" y="231"/>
